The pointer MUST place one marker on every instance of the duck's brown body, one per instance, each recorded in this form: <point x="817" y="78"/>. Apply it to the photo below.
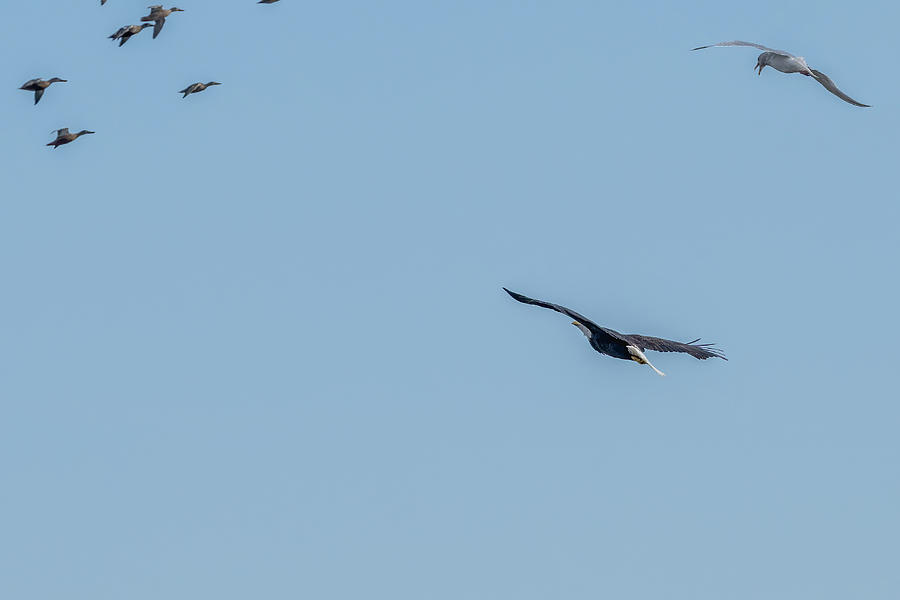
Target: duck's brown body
<point x="196" y="87"/>
<point x="38" y="86"/>
<point x="124" y="33"/>
<point x="158" y="15"/>
<point x="64" y="137"/>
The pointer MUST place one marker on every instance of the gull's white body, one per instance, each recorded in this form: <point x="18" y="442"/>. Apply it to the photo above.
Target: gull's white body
<point x="788" y="63"/>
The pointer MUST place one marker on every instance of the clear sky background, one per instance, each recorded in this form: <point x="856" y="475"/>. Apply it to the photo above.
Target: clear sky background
<point x="255" y="343"/>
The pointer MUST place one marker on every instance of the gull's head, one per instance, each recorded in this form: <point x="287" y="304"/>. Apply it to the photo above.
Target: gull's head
<point x="760" y="64"/>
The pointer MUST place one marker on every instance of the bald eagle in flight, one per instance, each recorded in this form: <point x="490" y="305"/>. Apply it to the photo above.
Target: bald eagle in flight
<point x="625" y="346"/>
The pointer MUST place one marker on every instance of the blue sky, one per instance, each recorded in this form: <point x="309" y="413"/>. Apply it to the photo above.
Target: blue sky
<point x="255" y="342"/>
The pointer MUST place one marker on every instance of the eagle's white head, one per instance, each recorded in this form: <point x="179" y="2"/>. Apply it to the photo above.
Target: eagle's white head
<point x="584" y="330"/>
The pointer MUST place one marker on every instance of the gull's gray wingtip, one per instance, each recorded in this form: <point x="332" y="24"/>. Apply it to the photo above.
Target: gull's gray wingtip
<point x="829" y="85"/>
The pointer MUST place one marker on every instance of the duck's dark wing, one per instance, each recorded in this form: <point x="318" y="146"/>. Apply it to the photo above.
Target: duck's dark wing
<point x="701" y="351"/>
<point x="37" y="95"/>
<point x="595" y="329"/>
<point x="157" y="26"/>
<point x="828" y="84"/>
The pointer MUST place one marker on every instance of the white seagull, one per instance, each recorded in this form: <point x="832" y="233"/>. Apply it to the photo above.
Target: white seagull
<point x="788" y="63"/>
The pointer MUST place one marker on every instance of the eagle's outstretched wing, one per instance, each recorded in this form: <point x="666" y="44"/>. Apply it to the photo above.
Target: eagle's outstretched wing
<point x="701" y="351"/>
<point x="595" y="329"/>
